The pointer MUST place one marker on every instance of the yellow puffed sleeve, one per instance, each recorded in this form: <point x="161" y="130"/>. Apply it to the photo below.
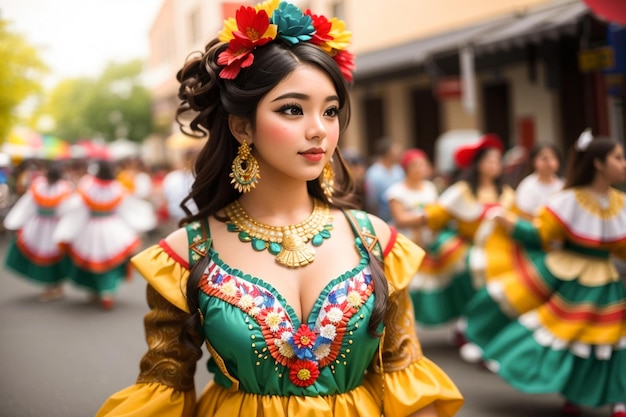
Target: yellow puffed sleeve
<point x="549" y="228"/>
<point x="165" y="385"/>
<point x="407" y="380"/>
<point x="402" y="261"/>
<point x="167" y="275"/>
<point x="436" y="216"/>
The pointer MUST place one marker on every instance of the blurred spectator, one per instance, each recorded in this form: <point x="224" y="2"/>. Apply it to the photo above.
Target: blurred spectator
<point x="383" y="173"/>
<point x="176" y="186"/>
<point x="408" y="198"/>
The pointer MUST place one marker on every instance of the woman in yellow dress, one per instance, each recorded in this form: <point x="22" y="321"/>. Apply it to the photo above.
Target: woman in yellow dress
<point x="556" y="321"/>
<point x="301" y="302"/>
<point x="468" y="248"/>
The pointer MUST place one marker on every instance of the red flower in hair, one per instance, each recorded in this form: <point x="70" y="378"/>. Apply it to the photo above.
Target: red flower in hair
<point x="345" y="61"/>
<point x="322" y="28"/>
<point x="303" y="373"/>
<point x="254" y="30"/>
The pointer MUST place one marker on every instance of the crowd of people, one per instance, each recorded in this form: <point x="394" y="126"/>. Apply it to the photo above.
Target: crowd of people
<point x="305" y="272"/>
<point x="527" y="274"/>
<point x="82" y="220"/>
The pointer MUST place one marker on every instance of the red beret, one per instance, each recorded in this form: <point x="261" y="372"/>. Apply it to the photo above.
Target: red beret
<point x="410" y="155"/>
<point x="464" y="154"/>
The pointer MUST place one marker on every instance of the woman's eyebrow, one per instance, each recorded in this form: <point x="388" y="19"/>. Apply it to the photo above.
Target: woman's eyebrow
<point x="301" y="96"/>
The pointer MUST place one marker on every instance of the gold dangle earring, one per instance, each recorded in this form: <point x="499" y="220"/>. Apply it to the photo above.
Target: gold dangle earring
<point x="327" y="180"/>
<point x="245" y="169"/>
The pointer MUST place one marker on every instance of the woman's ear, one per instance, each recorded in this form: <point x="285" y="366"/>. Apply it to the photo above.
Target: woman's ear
<point x="598" y="165"/>
<point x="240" y="128"/>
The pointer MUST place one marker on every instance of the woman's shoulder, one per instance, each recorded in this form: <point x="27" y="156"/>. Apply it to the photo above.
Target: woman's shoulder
<point x="178" y="243"/>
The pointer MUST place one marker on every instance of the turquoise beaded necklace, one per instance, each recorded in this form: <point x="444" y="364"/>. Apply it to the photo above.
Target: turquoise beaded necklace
<point x="287" y="243"/>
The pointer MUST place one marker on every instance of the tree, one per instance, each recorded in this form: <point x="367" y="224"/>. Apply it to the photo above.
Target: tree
<point x="113" y="106"/>
<point x="20" y="72"/>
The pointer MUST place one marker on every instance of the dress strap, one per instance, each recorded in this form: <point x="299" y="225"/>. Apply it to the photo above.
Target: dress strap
<point x="360" y="222"/>
<point x="198" y="239"/>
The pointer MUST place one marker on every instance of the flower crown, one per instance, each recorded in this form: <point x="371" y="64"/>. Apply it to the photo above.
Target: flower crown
<point x="278" y="20"/>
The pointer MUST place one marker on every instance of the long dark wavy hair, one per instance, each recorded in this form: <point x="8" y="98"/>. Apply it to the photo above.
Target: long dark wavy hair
<point x="581" y="169"/>
<point x="210" y="100"/>
<point x="472" y="176"/>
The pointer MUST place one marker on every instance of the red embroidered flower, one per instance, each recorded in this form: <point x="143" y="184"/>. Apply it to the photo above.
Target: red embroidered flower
<point x="304" y="373"/>
<point x="254" y="30"/>
<point x="304" y="337"/>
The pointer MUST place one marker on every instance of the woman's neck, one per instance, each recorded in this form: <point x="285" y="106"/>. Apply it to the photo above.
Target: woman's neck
<point x="545" y="178"/>
<point x="599" y="186"/>
<point x="414" y="183"/>
<point x="278" y="205"/>
<point x="486" y="182"/>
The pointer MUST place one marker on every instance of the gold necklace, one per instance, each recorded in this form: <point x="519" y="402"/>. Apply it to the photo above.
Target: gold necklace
<point x="287" y="243"/>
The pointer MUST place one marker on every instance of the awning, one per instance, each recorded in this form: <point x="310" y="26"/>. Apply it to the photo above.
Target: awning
<point x="533" y="25"/>
<point x="550" y="22"/>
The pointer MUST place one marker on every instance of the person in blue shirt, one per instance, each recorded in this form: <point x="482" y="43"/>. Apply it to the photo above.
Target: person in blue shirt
<point x="381" y="175"/>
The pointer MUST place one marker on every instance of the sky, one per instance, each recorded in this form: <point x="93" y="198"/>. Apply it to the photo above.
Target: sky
<point x="79" y="37"/>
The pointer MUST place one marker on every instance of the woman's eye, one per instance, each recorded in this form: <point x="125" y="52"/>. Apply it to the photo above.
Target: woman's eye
<point x="332" y="112"/>
<point x="291" y="110"/>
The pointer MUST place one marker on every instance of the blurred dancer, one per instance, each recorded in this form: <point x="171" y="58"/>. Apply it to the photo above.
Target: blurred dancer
<point x="466" y="251"/>
<point x="535" y="189"/>
<point x="101" y="225"/>
<point x="34" y="254"/>
<point x="554" y="322"/>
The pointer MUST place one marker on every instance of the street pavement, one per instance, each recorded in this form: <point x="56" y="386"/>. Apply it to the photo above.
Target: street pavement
<point x="64" y="358"/>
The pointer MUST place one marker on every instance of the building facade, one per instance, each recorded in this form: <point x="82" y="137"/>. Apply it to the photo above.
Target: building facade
<point x="529" y="70"/>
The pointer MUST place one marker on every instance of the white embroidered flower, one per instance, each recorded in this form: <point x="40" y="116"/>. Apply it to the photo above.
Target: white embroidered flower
<point x="229" y="288"/>
<point x="286" y="336"/>
<point x="322" y="351"/>
<point x="328" y="331"/>
<point x="254" y="311"/>
<point x="284" y="349"/>
<point x="273" y="320"/>
<point x="197" y="238"/>
<point x="246" y="301"/>
<point x="334" y="315"/>
<point x="354" y="298"/>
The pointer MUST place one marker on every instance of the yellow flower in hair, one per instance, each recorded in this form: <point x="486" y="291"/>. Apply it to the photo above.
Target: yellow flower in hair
<point x="226" y="34"/>
<point x="341" y="36"/>
<point x="268" y="5"/>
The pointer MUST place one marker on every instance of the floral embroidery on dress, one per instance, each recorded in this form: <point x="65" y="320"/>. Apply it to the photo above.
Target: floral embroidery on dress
<point x="304" y="351"/>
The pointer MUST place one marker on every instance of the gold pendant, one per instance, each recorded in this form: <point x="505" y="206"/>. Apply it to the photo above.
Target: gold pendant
<point x="295" y="252"/>
<point x="288" y="243"/>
